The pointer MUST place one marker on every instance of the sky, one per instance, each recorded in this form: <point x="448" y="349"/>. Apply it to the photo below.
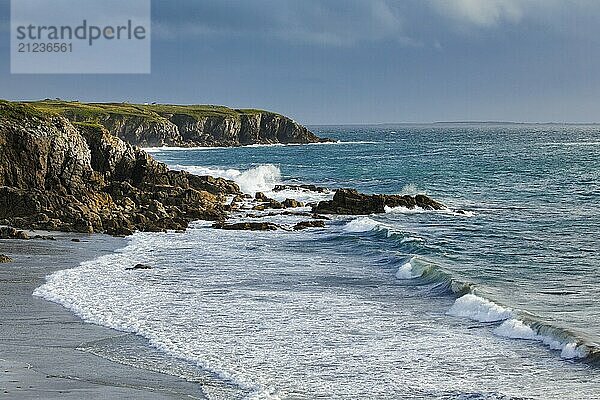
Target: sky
<point x="356" y="61"/>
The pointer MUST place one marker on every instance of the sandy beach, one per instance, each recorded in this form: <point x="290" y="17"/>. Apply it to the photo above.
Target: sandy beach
<point x="41" y="342"/>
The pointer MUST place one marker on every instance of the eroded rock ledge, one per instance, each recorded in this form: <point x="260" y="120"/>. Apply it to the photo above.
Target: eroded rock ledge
<point x="58" y="175"/>
<point x="152" y="125"/>
<point x="351" y="202"/>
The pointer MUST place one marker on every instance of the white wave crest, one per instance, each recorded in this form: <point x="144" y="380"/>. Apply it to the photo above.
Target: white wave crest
<point x="517" y="329"/>
<point x="406" y="271"/>
<point x="479" y="309"/>
<point x="258" y="179"/>
<point x="362" y="224"/>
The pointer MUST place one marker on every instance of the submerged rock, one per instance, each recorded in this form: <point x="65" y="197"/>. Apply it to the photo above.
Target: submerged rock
<point x="351" y="202"/>
<point x="138" y="266"/>
<point x="247" y="226"/>
<point x="5" y="259"/>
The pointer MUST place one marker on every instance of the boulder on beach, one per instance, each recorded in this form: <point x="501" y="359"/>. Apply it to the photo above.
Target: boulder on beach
<point x="351" y="202"/>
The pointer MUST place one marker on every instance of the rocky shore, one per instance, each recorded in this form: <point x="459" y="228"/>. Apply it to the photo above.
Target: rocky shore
<point x="58" y="174"/>
<point x="154" y="125"/>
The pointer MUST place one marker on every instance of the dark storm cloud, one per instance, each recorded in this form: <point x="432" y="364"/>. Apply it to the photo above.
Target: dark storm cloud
<point x="359" y="60"/>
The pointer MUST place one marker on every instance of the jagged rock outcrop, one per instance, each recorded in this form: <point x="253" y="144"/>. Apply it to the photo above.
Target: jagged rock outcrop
<point x="185" y="126"/>
<point x="58" y="175"/>
<point x="309" y="224"/>
<point x="5" y="259"/>
<point x="351" y="202"/>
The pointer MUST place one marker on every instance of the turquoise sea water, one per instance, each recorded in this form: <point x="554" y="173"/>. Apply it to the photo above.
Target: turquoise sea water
<point x="501" y="301"/>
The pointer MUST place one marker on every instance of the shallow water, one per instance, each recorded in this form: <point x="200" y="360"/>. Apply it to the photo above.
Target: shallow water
<point x="498" y="302"/>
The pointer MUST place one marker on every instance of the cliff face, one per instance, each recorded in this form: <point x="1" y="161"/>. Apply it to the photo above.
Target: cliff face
<point x="185" y="126"/>
<point x="59" y="175"/>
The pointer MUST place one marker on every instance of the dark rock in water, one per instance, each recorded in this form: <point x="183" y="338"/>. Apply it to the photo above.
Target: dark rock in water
<point x="247" y="226"/>
<point x="75" y="240"/>
<point x="5" y="259"/>
<point x="275" y="204"/>
<point x="351" y="202"/>
<point x="7" y="232"/>
<point x="292" y="203"/>
<point x="260" y="196"/>
<point x="43" y="237"/>
<point x="267" y="202"/>
<point x="317" y="216"/>
<point x="310" y="188"/>
<point x="309" y="224"/>
<point x="427" y="203"/>
<point x="237" y="199"/>
<point x="138" y="266"/>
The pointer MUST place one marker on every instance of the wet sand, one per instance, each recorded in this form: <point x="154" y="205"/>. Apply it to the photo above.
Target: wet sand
<point x="39" y="340"/>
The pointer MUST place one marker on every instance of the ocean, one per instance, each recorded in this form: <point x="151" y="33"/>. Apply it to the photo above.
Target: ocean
<point x="497" y="297"/>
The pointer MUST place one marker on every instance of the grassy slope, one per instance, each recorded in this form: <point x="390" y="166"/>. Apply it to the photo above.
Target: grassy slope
<point x="91" y="112"/>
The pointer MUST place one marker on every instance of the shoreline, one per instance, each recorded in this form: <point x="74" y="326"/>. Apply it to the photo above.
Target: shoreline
<point x="41" y="342"/>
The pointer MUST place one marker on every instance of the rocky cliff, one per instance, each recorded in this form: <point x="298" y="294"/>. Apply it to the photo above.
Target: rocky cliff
<point x="57" y="174"/>
<point x="184" y="126"/>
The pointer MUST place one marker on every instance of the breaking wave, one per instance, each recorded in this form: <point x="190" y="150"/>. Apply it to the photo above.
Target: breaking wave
<point x="471" y="304"/>
<point x="262" y="178"/>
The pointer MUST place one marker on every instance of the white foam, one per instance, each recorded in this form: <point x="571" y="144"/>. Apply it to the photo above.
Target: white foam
<point x="412" y="239"/>
<point x="479" y="309"/>
<point x="406" y="271"/>
<point x="572" y="350"/>
<point x="410" y="189"/>
<point x="362" y="224"/>
<point x="305" y="196"/>
<point x="419" y="210"/>
<point x="72" y="288"/>
<point x="158" y="149"/>
<point x="404" y="210"/>
<point x="262" y="178"/>
<point x="516" y="329"/>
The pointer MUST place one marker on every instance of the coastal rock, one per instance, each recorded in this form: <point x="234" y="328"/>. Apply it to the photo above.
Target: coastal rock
<point x="77" y="177"/>
<point x="292" y="203"/>
<point x="267" y="202"/>
<point x="185" y="126"/>
<point x="5" y="259"/>
<point x="138" y="266"/>
<point x="309" y="188"/>
<point x="309" y="224"/>
<point x="260" y="196"/>
<point x="247" y="226"/>
<point x="7" y="232"/>
<point x="351" y="202"/>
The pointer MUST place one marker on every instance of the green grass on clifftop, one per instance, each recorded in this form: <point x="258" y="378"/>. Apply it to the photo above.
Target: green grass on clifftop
<point x="94" y="112"/>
